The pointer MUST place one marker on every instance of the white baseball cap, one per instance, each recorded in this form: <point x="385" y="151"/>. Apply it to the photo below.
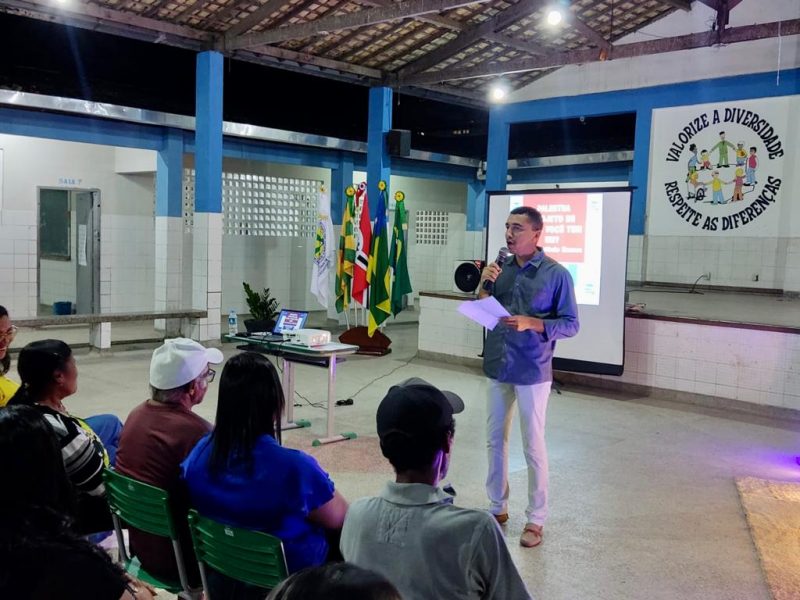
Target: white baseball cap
<point x="179" y="361"/>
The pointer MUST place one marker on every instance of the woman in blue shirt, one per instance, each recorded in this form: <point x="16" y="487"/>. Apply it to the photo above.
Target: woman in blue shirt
<point x="239" y="474"/>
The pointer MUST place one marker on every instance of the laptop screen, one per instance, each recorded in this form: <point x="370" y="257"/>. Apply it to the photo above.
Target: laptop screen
<point x="290" y="320"/>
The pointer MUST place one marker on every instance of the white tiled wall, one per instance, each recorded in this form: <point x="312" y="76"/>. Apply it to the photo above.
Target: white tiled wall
<point x="761" y="367"/>
<point x="731" y="261"/>
<point x="445" y="331"/>
<point x="635" y="243"/>
<point x="756" y="366"/>
<point x="431" y="267"/>
<point x="127" y="259"/>
<point x="18" y="261"/>
<point x="127" y="242"/>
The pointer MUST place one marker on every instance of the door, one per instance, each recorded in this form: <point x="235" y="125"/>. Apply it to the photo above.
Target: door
<point x="87" y="252"/>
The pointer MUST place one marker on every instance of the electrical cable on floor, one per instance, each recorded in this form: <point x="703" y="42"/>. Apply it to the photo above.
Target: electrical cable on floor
<point x="365" y="386"/>
<point x="322" y="406"/>
<point x="299" y="395"/>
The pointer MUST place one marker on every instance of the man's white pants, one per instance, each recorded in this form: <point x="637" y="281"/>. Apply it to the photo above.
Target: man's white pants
<point x="532" y="402"/>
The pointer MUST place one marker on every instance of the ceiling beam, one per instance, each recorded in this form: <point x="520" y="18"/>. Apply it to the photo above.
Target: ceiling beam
<point x="106" y="20"/>
<point x="589" y="33"/>
<point x="452" y="24"/>
<point x="284" y="54"/>
<point x="361" y="18"/>
<point x="467" y="38"/>
<point x="732" y="35"/>
<point x="680" y="4"/>
<point x="254" y="18"/>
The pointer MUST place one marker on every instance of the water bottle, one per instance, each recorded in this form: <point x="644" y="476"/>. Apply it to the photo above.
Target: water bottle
<point x="233" y="323"/>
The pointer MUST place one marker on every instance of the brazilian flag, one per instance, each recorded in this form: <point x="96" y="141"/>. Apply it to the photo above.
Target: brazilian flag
<point x="346" y="257"/>
<point x="401" y="285"/>
<point x="378" y="274"/>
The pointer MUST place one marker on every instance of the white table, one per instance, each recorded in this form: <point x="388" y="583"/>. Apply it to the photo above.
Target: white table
<point x="318" y="356"/>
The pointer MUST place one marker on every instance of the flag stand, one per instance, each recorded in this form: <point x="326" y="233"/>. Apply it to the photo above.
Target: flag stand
<point x="377" y="345"/>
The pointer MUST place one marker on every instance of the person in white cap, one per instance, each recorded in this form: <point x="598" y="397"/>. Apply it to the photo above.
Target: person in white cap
<point x="159" y="434"/>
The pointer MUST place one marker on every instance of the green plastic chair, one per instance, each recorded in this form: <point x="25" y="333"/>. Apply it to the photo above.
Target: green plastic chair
<point x="252" y="557"/>
<point x="146" y="508"/>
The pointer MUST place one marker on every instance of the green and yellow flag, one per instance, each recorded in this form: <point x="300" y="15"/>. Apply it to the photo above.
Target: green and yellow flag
<point x="401" y="284"/>
<point x="378" y="273"/>
<point x="347" y="253"/>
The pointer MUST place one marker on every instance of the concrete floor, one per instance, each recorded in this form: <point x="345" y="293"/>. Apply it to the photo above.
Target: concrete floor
<point x="643" y="501"/>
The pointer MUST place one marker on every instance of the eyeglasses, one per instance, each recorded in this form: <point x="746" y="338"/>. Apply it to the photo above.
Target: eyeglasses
<point x="9" y="333"/>
<point x="210" y="374"/>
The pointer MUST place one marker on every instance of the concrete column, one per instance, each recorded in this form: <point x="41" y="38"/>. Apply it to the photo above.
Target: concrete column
<point x="641" y="164"/>
<point x="341" y="177"/>
<point x="497" y="154"/>
<point x="476" y="205"/>
<point x="378" y="161"/>
<point x="207" y="230"/>
<point x="169" y="225"/>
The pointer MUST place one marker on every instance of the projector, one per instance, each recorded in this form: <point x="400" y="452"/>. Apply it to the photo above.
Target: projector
<point x="308" y="337"/>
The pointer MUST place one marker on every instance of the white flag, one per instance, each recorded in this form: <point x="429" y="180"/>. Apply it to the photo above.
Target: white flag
<point x="323" y="251"/>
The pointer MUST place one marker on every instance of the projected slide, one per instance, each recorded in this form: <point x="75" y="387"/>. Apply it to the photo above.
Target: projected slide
<point x="587" y="232"/>
<point x="573" y="235"/>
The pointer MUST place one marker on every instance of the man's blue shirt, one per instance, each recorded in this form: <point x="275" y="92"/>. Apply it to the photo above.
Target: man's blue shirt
<point x="540" y="288"/>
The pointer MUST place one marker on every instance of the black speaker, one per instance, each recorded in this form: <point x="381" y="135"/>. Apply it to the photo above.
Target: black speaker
<point x="467" y="275"/>
<point x="398" y="142"/>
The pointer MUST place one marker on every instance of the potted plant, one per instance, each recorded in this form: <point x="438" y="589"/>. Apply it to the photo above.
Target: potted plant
<point x="263" y="309"/>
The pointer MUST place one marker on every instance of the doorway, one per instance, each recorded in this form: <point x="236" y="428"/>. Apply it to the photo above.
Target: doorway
<point x="68" y="251"/>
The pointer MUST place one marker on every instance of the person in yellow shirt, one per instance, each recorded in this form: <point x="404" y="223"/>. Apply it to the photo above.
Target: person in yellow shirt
<point x="7" y="333"/>
<point x="716" y="187"/>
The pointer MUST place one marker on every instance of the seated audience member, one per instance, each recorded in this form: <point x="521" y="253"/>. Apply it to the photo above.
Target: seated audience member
<point x="158" y="435"/>
<point x="40" y="556"/>
<point x="336" y="581"/>
<point x="412" y="533"/>
<point x="49" y="375"/>
<point x="241" y="475"/>
<point x="107" y="427"/>
<point x="7" y="332"/>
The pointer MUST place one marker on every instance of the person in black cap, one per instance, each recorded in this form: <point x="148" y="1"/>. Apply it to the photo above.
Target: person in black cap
<point x="411" y="533"/>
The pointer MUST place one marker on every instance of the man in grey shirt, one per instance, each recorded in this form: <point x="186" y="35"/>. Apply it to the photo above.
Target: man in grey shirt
<point x="517" y="358"/>
<point x="412" y="533"/>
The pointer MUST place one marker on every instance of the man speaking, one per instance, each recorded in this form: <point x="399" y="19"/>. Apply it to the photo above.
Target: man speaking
<point x="538" y="293"/>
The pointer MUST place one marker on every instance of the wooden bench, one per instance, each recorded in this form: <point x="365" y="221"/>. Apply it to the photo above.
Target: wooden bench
<point x="100" y="330"/>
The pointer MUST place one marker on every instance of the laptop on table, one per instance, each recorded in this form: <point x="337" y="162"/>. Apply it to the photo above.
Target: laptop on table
<point x="288" y="320"/>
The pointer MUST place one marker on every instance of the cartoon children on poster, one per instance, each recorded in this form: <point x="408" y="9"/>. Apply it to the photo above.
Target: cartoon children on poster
<point x="722" y="148"/>
<point x="743" y="175"/>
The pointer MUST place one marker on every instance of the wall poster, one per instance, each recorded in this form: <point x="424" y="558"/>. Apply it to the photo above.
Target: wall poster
<point x="722" y="168"/>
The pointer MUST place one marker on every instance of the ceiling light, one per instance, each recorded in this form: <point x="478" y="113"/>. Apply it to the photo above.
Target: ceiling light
<point x="554" y="17"/>
<point x="498" y="92"/>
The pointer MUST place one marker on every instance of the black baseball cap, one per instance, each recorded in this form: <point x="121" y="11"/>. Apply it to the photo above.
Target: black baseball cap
<point x="416" y="409"/>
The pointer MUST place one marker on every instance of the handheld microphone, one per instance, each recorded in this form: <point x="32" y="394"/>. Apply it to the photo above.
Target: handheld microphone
<point x="502" y="255"/>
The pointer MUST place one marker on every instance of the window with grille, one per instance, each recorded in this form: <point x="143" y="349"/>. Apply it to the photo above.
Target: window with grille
<point x="261" y="205"/>
<point x="430" y="227"/>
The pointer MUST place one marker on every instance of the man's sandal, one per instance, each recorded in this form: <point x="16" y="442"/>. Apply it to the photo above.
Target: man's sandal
<point x="531" y="536"/>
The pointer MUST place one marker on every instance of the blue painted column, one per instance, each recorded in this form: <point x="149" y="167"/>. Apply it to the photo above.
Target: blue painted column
<point x="168" y="286"/>
<point x="378" y="162"/>
<point x="208" y="133"/>
<point x="476" y="205"/>
<point x="207" y="231"/>
<point x="341" y="177"/>
<point x="639" y="170"/>
<point x="497" y="153"/>
<point x="169" y="175"/>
